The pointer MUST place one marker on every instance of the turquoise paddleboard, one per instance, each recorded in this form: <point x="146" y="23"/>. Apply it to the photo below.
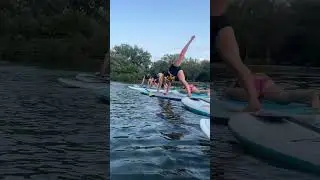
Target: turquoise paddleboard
<point x="171" y="96"/>
<point x="278" y="139"/>
<point x="197" y="106"/>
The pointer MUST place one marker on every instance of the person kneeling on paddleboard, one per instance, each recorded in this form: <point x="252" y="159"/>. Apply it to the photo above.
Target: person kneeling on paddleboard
<point x="175" y="72"/>
<point x="267" y="89"/>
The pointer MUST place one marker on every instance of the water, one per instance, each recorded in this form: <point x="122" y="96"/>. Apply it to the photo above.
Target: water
<point x="152" y="138"/>
<point x="47" y="131"/>
<point x="231" y="162"/>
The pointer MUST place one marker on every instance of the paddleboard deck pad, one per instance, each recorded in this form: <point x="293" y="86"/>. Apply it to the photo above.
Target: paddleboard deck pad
<point x="278" y="139"/>
<point x="197" y="106"/>
<point x="296" y="110"/>
<point x="205" y="126"/>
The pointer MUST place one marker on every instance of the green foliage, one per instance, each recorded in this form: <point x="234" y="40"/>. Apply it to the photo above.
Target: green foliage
<point x="59" y="34"/>
<point x="130" y="64"/>
<point x="277" y="31"/>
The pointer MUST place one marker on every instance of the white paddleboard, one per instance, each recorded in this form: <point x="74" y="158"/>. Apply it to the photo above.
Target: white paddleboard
<point x="91" y="78"/>
<point x="197" y="106"/>
<point x="278" y="139"/>
<point x="205" y="126"/>
<point x="142" y="89"/>
<point x="79" y="84"/>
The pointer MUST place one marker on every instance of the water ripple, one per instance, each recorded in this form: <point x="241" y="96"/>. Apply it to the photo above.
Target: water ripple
<point x="47" y="131"/>
<point x="152" y="138"/>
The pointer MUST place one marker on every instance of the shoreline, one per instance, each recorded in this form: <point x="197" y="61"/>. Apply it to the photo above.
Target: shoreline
<point x="37" y="65"/>
<point x="271" y="67"/>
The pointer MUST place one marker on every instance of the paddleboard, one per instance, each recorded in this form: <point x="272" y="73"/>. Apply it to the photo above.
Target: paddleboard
<point x="91" y="78"/>
<point x="171" y="96"/>
<point x="143" y="89"/>
<point x="278" y="139"/>
<point x="161" y="95"/>
<point x="205" y="126"/>
<point x="197" y="106"/>
<point x="79" y="84"/>
<point x="297" y="110"/>
<point x="203" y="95"/>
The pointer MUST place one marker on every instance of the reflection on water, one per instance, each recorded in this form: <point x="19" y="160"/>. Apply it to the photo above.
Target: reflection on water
<point x="154" y="138"/>
<point x="228" y="159"/>
<point x="47" y="131"/>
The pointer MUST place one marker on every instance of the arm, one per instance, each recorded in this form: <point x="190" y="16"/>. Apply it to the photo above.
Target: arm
<point x="236" y="93"/>
<point x="229" y="50"/>
<point x="183" y="52"/>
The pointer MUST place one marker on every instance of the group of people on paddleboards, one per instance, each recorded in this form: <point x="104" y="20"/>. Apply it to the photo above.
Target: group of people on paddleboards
<point x="249" y="86"/>
<point x="174" y="73"/>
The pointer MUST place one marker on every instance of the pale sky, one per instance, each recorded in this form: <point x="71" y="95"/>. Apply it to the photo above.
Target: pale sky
<point x="162" y="26"/>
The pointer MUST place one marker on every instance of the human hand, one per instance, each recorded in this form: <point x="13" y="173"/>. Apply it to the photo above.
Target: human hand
<point x="253" y="106"/>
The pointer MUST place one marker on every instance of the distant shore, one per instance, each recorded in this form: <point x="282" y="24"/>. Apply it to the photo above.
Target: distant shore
<point x="89" y="68"/>
<point x="273" y="67"/>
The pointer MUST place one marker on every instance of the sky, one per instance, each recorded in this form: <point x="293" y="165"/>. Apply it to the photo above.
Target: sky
<point x="162" y="26"/>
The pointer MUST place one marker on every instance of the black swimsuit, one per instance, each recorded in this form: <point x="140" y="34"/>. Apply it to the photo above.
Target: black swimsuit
<point x="173" y="73"/>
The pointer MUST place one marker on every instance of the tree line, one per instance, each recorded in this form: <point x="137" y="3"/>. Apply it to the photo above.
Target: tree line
<point x="131" y="63"/>
<point x="60" y="33"/>
<point x="277" y="32"/>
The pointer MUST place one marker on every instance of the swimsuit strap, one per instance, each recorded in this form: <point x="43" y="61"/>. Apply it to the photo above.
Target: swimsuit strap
<point x="170" y="77"/>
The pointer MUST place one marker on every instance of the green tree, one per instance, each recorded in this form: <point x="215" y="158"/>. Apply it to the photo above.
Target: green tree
<point x="134" y="55"/>
<point x="63" y="34"/>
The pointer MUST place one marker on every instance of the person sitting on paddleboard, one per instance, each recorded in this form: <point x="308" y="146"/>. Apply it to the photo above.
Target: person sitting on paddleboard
<point x="224" y="42"/>
<point x="269" y="90"/>
<point x="175" y="72"/>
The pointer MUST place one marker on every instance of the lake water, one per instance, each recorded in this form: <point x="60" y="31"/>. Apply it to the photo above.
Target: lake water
<point x="152" y="138"/>
<point x="52" y="132"/>
<point x="48" y="131"/>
